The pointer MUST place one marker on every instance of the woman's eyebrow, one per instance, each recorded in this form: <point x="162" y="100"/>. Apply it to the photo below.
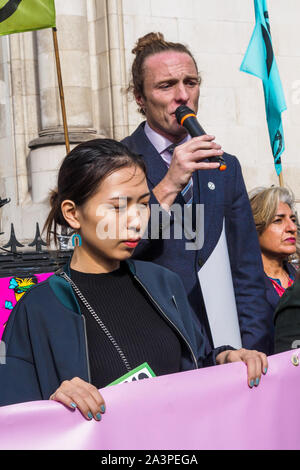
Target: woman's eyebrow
<point x="285" y="215"/>
<point x="117" y="198"/>
<point x="145" y="195"/>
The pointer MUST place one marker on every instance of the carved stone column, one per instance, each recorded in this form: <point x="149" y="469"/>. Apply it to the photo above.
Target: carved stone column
<point x="108" y="67"/>
<point x="48" y="149"/>
<point x="114" y="13"/>
<point x="18" y="125"/>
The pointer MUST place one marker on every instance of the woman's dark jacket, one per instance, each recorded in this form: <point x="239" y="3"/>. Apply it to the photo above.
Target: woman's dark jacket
<point x="45" y="337"/>
<point x="287" y="320"/>
<point x="271" y="294"/>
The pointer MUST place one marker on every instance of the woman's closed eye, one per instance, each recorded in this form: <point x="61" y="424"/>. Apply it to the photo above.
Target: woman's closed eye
<point x="120" y="208"/>
<point x="144" y="204"/>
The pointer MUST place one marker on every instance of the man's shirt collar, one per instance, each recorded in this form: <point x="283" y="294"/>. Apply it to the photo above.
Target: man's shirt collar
<point x="160" y="142"/>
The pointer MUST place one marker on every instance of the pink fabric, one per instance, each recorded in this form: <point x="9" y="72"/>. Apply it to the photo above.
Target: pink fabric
<point x="211" y="408"/>
<point x="8" y="296"/>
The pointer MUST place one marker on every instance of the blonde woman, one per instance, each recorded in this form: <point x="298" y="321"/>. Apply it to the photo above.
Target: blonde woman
<point x="276" y="224"/>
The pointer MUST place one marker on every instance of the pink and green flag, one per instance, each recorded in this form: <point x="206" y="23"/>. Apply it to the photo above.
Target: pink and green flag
<point x="17" y="16"/>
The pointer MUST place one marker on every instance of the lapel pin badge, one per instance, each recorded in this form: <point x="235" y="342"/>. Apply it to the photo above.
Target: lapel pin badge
<point x="211" y="186"/>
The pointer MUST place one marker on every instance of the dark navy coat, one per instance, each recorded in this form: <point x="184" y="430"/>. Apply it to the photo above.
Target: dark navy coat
<point x="271" y="294"/>
<point x="229" y="201"/>
<point x="45" y="337"/>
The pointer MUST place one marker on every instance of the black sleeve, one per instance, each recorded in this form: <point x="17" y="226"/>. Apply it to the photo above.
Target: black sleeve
<point x="287" y="320"/>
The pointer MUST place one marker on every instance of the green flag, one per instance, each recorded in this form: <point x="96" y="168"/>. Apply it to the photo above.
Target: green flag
<point x="17" y="16"/>
<point x="260" y="61"/>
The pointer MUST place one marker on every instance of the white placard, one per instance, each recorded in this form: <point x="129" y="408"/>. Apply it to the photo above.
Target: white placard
<point x="216" y="284"/>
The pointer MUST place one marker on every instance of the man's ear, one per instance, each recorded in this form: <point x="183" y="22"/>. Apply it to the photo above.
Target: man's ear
<point x="140" y="100"/>
<point x="70" y="213"/>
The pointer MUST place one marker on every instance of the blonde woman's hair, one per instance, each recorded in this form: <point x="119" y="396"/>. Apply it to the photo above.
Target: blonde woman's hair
<point x="264" y="203"/>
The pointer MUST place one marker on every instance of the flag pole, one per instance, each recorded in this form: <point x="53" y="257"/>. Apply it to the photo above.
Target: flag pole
<point x="281" y="184"/>
<point x="61" y="90"/>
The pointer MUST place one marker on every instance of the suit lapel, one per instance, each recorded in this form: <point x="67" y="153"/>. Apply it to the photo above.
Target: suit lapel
<point x="207" y="197"/>
<point x="156" y="167"/>
<point x="211" y="189"/>
<point x="207" y="184"/>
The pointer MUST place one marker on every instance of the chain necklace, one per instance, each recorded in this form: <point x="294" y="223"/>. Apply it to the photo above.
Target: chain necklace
<point x="98" y="320"/>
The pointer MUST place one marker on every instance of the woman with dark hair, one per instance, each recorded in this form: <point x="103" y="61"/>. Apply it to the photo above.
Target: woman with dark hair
<point x="103" y="315"/>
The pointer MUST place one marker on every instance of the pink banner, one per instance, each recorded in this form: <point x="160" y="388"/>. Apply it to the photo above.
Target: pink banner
<point x="12" y="289"/>
<point x="212" y="408"/>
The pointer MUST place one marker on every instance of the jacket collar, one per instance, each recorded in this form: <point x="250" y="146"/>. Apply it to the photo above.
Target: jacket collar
<point x="271" y="293"/>
<point x="65" y="293"/>
<point x="66" y="268"/>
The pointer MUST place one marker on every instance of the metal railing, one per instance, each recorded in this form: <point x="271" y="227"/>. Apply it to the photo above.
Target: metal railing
<point x="38" y="260"/>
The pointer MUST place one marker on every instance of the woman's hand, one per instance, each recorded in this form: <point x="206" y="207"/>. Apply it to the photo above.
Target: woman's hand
<point x="256" y="362"/>
<point x="77" y="393"/>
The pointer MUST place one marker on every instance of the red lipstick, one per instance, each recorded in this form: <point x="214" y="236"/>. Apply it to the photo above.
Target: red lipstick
<point x="132" y="243"/>
<point x="290" y="240"/>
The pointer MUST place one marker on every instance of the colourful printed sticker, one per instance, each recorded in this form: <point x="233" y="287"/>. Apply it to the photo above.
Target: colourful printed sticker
<point x="11" y="291"/>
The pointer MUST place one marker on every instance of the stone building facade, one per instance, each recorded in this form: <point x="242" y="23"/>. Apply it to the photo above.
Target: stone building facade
<point x="95" y="41"/>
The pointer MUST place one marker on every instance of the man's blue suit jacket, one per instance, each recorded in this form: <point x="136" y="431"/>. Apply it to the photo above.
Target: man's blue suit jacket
<point x="229" y="201"/>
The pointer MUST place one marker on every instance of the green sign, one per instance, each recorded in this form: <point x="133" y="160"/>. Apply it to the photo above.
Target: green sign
<point x="141" y="372"/>
<point x="17" y="16"/>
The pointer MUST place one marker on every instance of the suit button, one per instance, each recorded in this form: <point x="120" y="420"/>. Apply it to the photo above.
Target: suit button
<point x="200" y="262"/>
